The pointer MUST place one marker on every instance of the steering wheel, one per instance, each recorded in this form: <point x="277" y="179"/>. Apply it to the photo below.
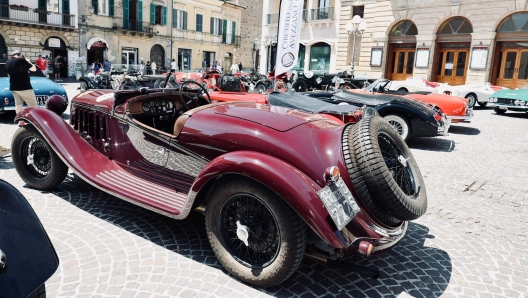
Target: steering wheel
<point x="194" y="99"/>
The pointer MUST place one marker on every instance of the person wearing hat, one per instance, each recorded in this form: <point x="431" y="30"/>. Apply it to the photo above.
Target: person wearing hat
<point x="18" y="69"/>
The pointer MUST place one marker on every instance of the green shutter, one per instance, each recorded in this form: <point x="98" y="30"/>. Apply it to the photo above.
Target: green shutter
<point x="111" y="8"/>
<point x="234" y="32"/>
<point x="42" y="4"/>
<point x="164" y="19"/>
<point x="224" y="32"/>
<point x="66" y="6"/>
<point x="185" y="20"/>
<point x="140" y="16"/>
<point x="174" y="18"/>
<point x="126" y="14"/>
<point x="152" y="13"/>
<point x="211" y="24"/>
<point x="95" y="5"/>
<point x="220" y="26"/>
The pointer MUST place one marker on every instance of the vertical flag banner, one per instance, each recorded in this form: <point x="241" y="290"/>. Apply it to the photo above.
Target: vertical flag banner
<point x="289" y="33"/>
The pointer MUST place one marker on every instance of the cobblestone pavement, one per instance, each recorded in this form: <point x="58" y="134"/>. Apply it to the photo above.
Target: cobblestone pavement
<point x="472" y="242"/>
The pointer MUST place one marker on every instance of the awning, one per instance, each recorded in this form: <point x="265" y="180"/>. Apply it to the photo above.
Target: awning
<point x="96" y="40"/>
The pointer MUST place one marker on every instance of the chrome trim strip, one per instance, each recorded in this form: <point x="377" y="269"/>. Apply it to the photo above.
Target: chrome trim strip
<point x="525" y="107"/>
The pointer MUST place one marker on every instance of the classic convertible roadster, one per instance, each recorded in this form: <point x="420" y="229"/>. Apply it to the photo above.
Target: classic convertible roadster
<point x="274" y="183"/>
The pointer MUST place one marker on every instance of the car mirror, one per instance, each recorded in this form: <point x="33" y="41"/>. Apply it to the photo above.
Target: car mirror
<point x="28" y="257"/>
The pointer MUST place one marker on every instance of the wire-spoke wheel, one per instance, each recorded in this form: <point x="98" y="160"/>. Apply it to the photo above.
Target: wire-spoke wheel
<point x="255" y="235"/>
<point x="400" y="125"/>
<point x="35" y="161"/>
<point x="245" y="213"/>
<point x="397" y="164"/>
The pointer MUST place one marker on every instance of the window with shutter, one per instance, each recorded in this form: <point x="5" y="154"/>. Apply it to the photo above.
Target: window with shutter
<point x="164" y="17"/>
<point x="220" y="22"/>
<point x="152" y="13"/>
<point x="199" y="22"/>
<point x="175" y="18"/>
<point x="95" y="5"/>
<point x="111" y="8"/>
<point x="185" y="20"/>
<point x="224" y="37"/>
<point x="140" y="15"/>
<point x="233" y="33"/>
<point x="126" y="14"/>
<point x="212" y="25"/>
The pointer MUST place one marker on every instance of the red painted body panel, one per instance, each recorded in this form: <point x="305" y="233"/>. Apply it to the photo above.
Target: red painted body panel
<point x="222" y="96"/>
<point x="450" y="105"/>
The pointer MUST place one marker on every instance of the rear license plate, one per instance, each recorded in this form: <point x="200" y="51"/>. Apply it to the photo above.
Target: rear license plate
<point x="41" y="100"/>
<point x="339" y="202"/>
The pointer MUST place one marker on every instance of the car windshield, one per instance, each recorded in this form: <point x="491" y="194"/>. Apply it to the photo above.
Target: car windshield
<point x="378" y="85"/>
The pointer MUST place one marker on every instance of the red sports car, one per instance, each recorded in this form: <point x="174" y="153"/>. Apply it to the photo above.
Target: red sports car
<point x="273" y="183"/>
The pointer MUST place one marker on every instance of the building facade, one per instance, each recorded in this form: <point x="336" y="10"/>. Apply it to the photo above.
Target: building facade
<point x="130" y="31"/>
<point x="40" y="27"/>
<point x="319" y="35"/>
<point x="451" y="41"/>
<point x="250" y="33"/>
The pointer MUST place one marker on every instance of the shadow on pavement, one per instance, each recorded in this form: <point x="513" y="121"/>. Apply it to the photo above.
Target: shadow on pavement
<point x="519" y="115"/>
<point x="432" y="144"/>
<point x="6" y="163"/>
<point x="410" y="267"/>
<point x="464" y="130"/>
<point x="8" y="117"/>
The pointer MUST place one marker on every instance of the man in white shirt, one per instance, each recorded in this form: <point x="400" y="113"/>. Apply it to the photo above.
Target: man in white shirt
<point x="234" y="68"/>
<point x="173" y="65"/>
<point x="153" y="66"/>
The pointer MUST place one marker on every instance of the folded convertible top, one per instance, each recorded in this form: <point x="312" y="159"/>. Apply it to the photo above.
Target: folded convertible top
<point x="294" y="100"/>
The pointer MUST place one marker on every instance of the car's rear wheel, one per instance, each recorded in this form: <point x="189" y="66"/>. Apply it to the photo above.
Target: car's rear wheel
<point x="400" y="124"/>
<point x="35" y="161"/>
<point x="403" y="90"/>
<point x="390" y="171"/>
<point x="261" y="88"/>
<point x="472" y="99"/>
<point x="299" y="86"/>
<point x="255" y="235"/>
<point x="499" y="111"/>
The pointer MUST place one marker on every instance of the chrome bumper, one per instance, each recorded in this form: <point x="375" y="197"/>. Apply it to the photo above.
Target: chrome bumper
<point x="443" y="129"/>
<point x="388" y="238"/>
<point x="466" y="118"/>
<point x="512" y="107"/>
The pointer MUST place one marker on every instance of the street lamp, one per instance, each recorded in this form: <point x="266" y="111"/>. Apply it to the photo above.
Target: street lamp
<point x="270" y="40"/>
<point x="357" y="27"/>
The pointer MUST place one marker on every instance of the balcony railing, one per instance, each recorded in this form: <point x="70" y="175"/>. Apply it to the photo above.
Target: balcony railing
<point x="196" y="36"/>
<point x="36" y="16"/>
<point x="273" y="18"/>
<point x="135" y="26"/>
<point x="234" y="40"/>
<point x="322" y="13"/>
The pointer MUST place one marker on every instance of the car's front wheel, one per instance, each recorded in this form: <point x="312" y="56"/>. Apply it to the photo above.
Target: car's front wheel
<point x="35" y="161"/>
<point x="472" y="99"/>
<point x="83" y="86"/>
<point x="255" y="235"/>
<point x="499" y="111"/>
<point x="261" y="88"/>
<point x="299" y="86"/>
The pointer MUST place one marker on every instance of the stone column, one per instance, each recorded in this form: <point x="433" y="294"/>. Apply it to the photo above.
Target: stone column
<point x="426" y="41"/>
<point x="477" y="40"/>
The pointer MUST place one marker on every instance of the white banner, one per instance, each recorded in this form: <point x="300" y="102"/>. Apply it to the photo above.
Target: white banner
<point x="289" y="33"/>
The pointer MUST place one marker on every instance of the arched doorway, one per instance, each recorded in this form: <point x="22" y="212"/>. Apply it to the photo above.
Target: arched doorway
<point x="402" y="50"/>
<point x="452" y="51"/>
<point x="96" y="50"/>
<point x="510" y="61"/>
<point x="56" y="46"/>
<point x="157" y="53"/>
<point x="320" y="56"/>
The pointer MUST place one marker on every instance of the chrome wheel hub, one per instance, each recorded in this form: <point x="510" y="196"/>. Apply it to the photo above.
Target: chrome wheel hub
<point x="242" y="233"/>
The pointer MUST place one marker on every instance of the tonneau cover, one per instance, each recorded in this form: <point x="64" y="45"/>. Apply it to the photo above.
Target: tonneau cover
<point x="292" y="99"/>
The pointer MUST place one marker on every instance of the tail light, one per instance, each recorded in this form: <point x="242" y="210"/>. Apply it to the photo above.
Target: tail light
<point x="332" y="174"/>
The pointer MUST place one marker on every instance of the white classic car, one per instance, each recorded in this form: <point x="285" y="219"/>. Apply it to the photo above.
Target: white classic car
<point x="474" y="93"/>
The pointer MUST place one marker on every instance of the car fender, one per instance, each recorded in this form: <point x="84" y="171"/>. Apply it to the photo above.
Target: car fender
<point x="297" y="189"/>
<point x="396" y="108"/>
<point x="92" y="84"/>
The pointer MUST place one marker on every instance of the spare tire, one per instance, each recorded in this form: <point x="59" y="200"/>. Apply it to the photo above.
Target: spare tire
<point x="389" y="169"/>
<point x="360" y="184"/>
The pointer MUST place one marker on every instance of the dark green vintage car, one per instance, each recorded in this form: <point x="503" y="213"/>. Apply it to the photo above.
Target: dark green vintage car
<point x="510" y="100"/>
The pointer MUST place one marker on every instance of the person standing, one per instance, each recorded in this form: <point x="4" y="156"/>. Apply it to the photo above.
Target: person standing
<point x="204" y="65"/>
<point x="148" y="67"/>
<point x="234" y="68"/>
<point x="56" y="67"/>
<point x="42" y="65"/>
<point x="173" y="65"/>
<point x="107" y="65"/>
<point x="153" y="66"/>
<point x="18" y="69"/>
<point x="142" y="68"/>
<point x="240" y="66"/>
<point x="219" y="67"/>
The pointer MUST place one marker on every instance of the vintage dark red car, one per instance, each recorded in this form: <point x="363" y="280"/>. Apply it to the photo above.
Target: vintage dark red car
<point x="273" y="183"/>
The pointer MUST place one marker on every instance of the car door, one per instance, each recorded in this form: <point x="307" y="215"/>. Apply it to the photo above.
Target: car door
<point x="183" y="166"/>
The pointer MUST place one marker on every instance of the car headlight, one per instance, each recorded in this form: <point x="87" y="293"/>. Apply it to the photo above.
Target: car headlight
<point x="492" y="99"/>
<point x="456" y="93"/>
<point x="517" y="102"/>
